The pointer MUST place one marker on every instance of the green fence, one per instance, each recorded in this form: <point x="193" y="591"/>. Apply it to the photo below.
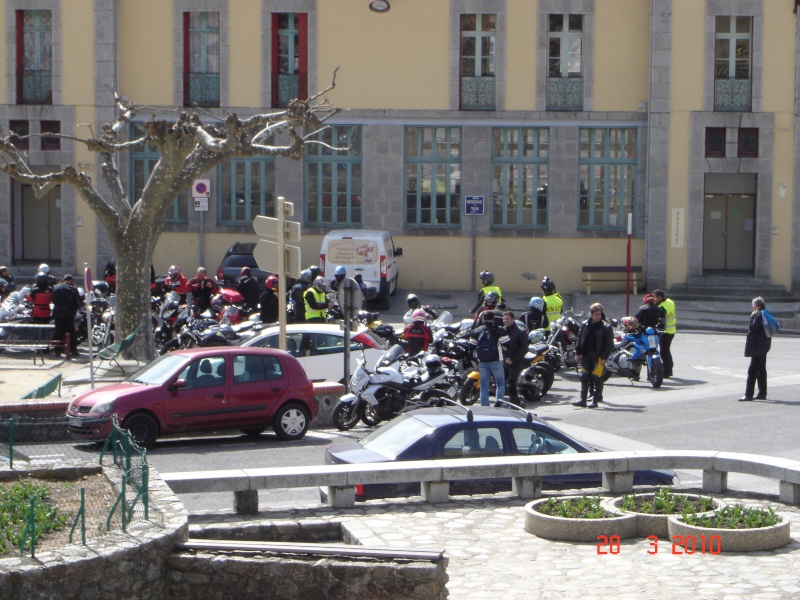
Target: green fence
<point x="56" y="491"/>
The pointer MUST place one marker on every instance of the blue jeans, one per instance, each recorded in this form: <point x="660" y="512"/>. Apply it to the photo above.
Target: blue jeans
<point x="486" y="370"/>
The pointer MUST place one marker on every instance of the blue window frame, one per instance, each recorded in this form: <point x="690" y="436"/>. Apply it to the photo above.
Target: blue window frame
<point x="246" y="189"/>
<point x="520" y="176"/>
<point x="478" y="40"/>
<point x="201" y="58"/>
<point x="35" y="57"/>
<point x="608" y="167"/>
<point x="433" y="177"/>
<point x="143" y="160"/>
<point x="732" y="63"/>
<point x="565" y="62"/>
<point x="333" y="178"/>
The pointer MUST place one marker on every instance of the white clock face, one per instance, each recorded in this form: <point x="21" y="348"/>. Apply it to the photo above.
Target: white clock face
<point x="379" y="5"/>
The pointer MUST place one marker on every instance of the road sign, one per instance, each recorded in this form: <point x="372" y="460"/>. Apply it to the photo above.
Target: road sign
<point x="268" y="227"/>
<point x="473" y="205"/>
<point x="201" y="188"/>
<point x="266" y="255"/>
<point x="201" y="204"/>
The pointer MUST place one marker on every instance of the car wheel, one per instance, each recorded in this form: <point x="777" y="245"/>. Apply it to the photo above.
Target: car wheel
<point x="345" y="416"/>
<point x="143" y="429"/>
<point x="253" y="431"/>
<point x="291" y="422"/>
<point x="367" y="413"/>
<point x="470" y="392"/>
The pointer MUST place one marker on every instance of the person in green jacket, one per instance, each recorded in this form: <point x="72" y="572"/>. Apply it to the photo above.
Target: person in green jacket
<point x="669" y="330"/>
<point x="552" y="299"/>
<point x="487" y="279"/>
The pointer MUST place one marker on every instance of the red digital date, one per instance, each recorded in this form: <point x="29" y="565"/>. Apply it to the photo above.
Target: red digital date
<point x="610" y="544"/>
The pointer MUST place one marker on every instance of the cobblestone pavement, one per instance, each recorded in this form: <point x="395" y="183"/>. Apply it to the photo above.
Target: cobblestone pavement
<point x="491" y="556"/>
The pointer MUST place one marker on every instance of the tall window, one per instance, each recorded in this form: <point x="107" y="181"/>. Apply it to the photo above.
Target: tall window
<point x="333" y="178"/>
<point x="433" y="177"/>
<point x="143" y="160"/>
<point x="519" y="177"/>
<point x="22" y="129"/>
<point x="201" y="54"/>
<point x="478" y="37"/>
<point x="732" y="63"/>
<point x="748" y="143"/>
<point x="51" y="142"/>
<point x="608" y="168"/>
<point x="34" y="57"/>
<point x="246" y="189"/>
<point x="715" y="142"/>
<point x="564" y="62"/>
<point x="289" y="57"/>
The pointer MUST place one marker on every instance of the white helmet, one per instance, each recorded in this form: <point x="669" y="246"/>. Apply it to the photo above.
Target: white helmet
<point x="44" y="268"/>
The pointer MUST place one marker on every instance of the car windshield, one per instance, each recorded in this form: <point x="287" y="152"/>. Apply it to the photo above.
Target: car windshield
<point x="158" y="371"/>
<point x="394" y="437"/>
<point x="239" y="260"/>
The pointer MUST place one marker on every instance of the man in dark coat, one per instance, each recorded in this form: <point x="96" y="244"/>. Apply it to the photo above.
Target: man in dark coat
<point x="651" y="314"/>
<point x="269" y="300"/>
<point x="249" y="289"/>
<point x="203" y="289"/>
<point x="595" y="344"/>
<point x="66" y="302"/>
<point x="756" y="347"/>
<point x="515" y="346"/>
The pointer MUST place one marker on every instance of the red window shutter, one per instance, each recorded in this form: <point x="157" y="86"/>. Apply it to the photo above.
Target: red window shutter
<point x="186" y="59"/>
<point x="302" y="31"/>
<point x="275" y="46"/>
<point x="20" y="53"/>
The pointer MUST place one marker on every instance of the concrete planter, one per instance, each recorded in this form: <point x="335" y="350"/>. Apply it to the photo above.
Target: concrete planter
<point x="732" y="540"/>
<point x="651" y="524"/>
<point x="576" y="530"/>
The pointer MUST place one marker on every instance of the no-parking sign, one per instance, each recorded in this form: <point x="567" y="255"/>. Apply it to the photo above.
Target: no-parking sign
<point x="201" y="188"/>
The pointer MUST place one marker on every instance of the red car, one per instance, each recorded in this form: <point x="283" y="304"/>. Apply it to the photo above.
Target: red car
<point x="202" y="389"/>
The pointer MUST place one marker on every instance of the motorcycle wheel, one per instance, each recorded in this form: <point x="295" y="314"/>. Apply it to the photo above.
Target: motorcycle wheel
<point x="530" y="383"/>
<point x="345" y="416"/>
<point x="656" y="373"/>
<point x="368" y="414"/>
<point x="470" y="392"/>
<point x="170" y="346"/>
<point x="548" y="375"/>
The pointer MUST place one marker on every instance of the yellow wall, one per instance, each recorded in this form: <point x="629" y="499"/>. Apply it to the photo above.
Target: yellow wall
<point x="401" y="58"/>
<point x="621" y="54"/>
<point x="246" y="43"/>
<point x="146" y="51"/>
<point x="3" y="55"/>
<point x="77" y="54"/>
<point x="521" y="25"/>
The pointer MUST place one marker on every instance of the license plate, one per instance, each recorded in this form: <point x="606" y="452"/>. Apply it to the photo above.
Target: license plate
<point x="75" y="421"/>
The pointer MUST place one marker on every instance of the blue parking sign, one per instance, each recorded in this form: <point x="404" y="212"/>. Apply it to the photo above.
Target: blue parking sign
<point x="473" y="205"/>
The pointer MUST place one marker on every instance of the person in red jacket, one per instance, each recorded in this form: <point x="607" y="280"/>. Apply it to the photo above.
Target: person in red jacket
<point x="41" y="294"/>
<point x="203" y="289"/>
<point x="417" y="333"/>
<point x="177" y="282"/>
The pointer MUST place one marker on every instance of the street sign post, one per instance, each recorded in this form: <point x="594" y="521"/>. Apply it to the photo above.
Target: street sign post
<point x="350" y="299"/>
<point x="473" y="205"/>
<point x="276" y="256"/>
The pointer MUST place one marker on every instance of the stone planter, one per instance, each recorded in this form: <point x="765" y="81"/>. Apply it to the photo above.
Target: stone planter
<point x="576" y="530"/>
<point x="651" y="524"/>
<point x="732" y="540"/>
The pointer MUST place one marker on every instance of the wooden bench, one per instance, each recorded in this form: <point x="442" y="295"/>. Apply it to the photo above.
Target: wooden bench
<point x="45" y="390"/>
<point x="37" y="337"/>
<point x="111" y="353"/>
<point x="609" y="272"/>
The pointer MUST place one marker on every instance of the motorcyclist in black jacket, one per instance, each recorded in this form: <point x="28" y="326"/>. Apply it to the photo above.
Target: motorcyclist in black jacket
<point x="296" y="295"/>
<point x="651" y="314"/>
<point x="249" y="289"/>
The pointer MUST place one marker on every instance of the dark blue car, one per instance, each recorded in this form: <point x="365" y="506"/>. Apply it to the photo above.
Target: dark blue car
<point x="457" y="432"/>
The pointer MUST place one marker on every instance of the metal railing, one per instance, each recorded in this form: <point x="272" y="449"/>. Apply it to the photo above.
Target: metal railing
<point x="478" y="93"/>
<point x="565" y="93"/>
<point x="732" y="95"/>
<point x="203" y="89"/>
<point x="35" y="87"/>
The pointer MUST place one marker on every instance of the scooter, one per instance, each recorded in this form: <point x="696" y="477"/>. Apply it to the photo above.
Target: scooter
<point x="635" y="349"/>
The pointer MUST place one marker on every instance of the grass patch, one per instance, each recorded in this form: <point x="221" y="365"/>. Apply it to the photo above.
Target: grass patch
<point x="15" y="508"/>
<point x="585" y="507"/>
<point x="664" y="502"/>
<point x="736" y="516"/>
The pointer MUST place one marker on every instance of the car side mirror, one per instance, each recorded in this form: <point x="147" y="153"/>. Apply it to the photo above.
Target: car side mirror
<point x="398" y="252"/>
<point x="177" y="385"/>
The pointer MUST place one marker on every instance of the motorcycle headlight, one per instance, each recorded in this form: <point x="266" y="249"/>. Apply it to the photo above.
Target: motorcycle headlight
<point x="652" y="341"/>
<point x="102" y="407"/>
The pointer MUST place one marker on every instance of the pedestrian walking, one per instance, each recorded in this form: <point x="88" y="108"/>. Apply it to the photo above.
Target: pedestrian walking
<point x="66" y="302"/>
<point x="486" y="341"/>
<point x="669" y="330"/>
<point x="515" y="346"/>
<point x="595" y="344"/>
<point x="756" y="347"/>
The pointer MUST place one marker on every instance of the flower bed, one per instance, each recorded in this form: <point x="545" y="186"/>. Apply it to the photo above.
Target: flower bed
<point x="734" y="528"/>
<point x="653" y="510"/>
<point x="576" y="519"/>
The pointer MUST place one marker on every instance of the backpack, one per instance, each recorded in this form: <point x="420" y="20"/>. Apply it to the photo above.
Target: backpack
<point x="771" y="324"/>
<point x="487" y="350"/>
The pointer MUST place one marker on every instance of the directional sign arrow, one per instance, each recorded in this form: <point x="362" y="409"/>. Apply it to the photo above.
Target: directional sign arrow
<point x="268" y="227"/>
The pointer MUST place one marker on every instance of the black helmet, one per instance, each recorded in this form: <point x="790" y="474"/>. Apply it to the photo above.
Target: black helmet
<point x="487" y="277"/>
<point x="413" y="301"/>
<point x="491" y="297"/>
<point x="305" y="276"/>
<point x="315" y="271"/>
<point x="433" y="364"/>
<point x="245" y="271"/>
<point x="548" y="285"/>
<point x="42" y="279"/>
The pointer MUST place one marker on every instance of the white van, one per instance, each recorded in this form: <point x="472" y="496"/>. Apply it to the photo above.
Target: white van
<point x="371" y="254"/>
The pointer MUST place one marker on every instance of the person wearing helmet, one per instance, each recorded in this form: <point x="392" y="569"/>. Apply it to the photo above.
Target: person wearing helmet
<point x="413" y="302"/>
<point x="249" y="289"/>
<point x="269" y="300"/>
<point x="552" y="299"/>
<point x="650" y="314"/>
<point x="296" y="296"/>
<point x="203" y="288"/>
<point x="316" y="302"/>
<point x="315" y="272"/>
<point x="536" y="317"/>
<point x="66" y="303"/>
<point x="177" y="282"/>
<point x="515" y="345"/>
<point x="339" y="273"/>
<point x="8" y="282"/>
<point x="417" y="333"/>
<point x="487" y="279"/>
<point x="595" y="344"/>
<point x="41" y="295"/>
<point x="489" y="304"/>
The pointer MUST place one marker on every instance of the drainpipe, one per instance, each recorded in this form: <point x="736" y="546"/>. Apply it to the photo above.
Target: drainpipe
<point x="648" y="164"/>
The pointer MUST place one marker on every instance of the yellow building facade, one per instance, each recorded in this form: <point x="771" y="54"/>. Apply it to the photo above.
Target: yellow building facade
<point x="564" y="122"/>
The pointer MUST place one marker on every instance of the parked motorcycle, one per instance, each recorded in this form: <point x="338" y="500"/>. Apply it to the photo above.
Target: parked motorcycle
<point x="386" y="391"/>
<point x="635" y="349"/>
<point x="563" y="340"/>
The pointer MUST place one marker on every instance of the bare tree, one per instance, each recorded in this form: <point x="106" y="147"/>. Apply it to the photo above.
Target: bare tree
<point x="188" y="147"/>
